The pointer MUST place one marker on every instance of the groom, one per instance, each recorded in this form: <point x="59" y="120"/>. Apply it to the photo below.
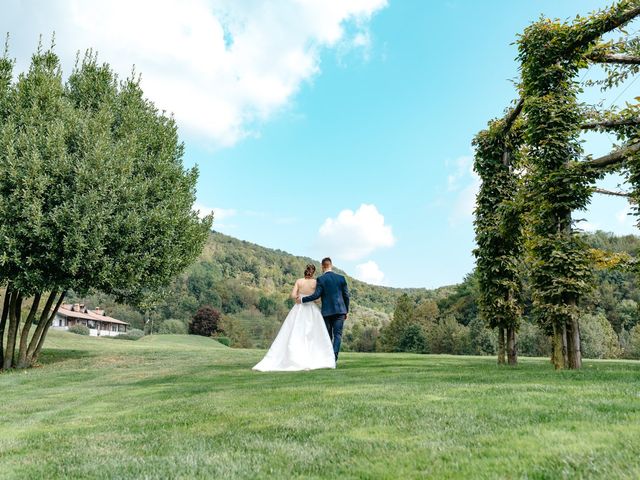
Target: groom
<point x="332" y="289"/>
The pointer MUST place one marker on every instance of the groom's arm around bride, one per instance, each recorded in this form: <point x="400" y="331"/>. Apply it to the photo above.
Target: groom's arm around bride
<point x="332" y="289"/>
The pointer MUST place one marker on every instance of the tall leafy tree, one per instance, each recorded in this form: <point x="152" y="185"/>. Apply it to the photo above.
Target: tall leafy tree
<point x="93" y="195"/>
<point x="403" y="317"/>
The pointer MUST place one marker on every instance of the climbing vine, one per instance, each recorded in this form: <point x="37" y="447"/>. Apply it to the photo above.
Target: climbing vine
<point x="531" y="212"/>
<point x="498" y="235"/>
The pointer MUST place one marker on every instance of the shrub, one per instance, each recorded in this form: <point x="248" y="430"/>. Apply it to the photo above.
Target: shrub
<point x="599" y="340"/>
<point x="268" y="306"/>
<point x="367" y="340"/>
<point x="532" y="341"/>
<point x="224" y="340"/>
<point x="172" y="326"/>
<point x="133" y="334"/>
<point x="632" y="349"/>
<point x="205" y="322"/>
<point x="79" y="329"/>
<point x="482" y="339"/>
<point x="413" y="340"/>
<point x="448" y="336"/>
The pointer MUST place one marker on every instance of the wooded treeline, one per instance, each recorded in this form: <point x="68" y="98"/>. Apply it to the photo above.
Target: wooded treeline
<point x="250" y="285"/>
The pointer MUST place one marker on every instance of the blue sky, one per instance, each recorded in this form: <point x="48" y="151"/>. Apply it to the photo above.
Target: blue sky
<point x="339" y="129"/>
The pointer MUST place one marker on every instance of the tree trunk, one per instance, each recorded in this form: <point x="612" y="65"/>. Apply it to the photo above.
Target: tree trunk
<point x="42" y="323"/>
<point x="3" y="321"/>
<point x="573" y="344"/>
<point x="501" y="348"/>
<point x="34" y="356"/>
<point x="512" y="351"/>
<point x="557" y="355"/>
<point x="26" y="328"/>
<point x="12" y="333"/>
<point x="565" y="351"/>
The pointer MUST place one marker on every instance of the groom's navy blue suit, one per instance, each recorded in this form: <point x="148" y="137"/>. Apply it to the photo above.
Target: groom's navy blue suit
<point x="334" y="292"/>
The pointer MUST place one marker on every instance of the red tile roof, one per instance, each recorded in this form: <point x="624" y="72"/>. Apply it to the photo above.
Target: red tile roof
<point x="65" y="311"/>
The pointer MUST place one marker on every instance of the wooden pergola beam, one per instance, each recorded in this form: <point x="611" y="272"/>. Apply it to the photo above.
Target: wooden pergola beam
<point x="614" y="58"/>
<point x="510" y="119"/>
<point x="610" y="193"/>
<point x="609" y="24"/>
<point x="619" y="122"/>
<point x="614" y="157"/>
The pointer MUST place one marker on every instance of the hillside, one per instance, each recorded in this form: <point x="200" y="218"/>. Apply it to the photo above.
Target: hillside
<point x="250" y="285"/>
<point x="186" y="407"/>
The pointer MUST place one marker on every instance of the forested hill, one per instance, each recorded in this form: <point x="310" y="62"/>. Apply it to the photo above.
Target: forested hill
<point x="274" y="272"/>
<point x="250" y="285"/>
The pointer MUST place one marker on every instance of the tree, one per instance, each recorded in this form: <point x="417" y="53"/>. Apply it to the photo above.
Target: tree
<point x="173" y="326"/>
<point x="93" y="195"/>
<point x="402" y="318"/>
<point x="413" y="340"/>
<point x="599" y="340"/>
<point x="268" y="306"/>
<point x="205" y="322"/>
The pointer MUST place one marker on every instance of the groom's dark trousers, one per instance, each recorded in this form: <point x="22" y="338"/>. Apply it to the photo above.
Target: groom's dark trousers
<point x="334" y="324"/>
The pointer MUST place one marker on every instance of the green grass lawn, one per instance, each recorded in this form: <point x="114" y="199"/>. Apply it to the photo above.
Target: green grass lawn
<point x="187" y="407"/>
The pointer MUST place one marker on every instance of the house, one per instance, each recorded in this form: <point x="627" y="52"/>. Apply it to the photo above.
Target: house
<point x="98" y="322"/>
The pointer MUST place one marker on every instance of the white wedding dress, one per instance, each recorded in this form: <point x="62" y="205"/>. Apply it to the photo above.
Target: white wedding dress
<point x="302" y="343"/>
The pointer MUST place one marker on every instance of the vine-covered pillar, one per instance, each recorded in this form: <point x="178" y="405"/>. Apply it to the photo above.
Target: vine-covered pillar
<point x="498" y="237"/>
<point x="551" y="53"/>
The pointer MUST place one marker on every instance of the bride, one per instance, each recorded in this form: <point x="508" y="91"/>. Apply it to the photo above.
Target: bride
<point x="303" y="342"/>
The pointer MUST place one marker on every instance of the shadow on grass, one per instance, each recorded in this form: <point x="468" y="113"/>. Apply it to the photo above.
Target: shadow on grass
<point x="50" y="356"/>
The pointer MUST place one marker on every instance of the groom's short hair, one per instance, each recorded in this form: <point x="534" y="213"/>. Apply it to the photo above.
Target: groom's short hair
<point x="326" y="260"/>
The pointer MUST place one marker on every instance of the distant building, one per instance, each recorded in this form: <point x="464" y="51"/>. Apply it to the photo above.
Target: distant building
<point x="98" y="322"/>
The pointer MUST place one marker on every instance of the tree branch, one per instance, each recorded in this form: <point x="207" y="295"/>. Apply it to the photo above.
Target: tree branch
<point x="613" y="158"/>
<point x="610" y="192"/>
<point x="619" y="122"/>
<point x="614" y="58"/>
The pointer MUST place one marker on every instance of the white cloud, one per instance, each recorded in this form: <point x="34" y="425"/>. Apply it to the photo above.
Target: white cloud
<point x="369" y="272"/>
<point x="624" y="216"/>
<point x="587" y="226"/>
<point x="464" y="183"/>
<point x="218" y="213"/>
<point x="222" y="66"/>
<point x="354" y="235"/>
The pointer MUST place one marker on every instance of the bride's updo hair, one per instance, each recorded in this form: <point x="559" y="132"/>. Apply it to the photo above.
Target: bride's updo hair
<point x="309" y="271"/>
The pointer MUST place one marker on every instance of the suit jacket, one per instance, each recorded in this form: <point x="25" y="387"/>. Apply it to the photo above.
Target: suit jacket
<point x="334" y="292"/>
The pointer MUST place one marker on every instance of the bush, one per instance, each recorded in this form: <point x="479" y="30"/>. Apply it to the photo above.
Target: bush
<point x="234" y="329"/>
<point x="448" y="336"/>
<point x="367" y="340"/>
<point x="79" y="329"/>
<point x="133" y="334"/>
<point x="532" y="341"/>
<point x="413" y="340"/>
<point x="632" y="349"/>
<point x="224" y="340"/>
<point x="205" y="322"/>
<point x="598" y="338"/>
<point x="482" y="339"/>
<point x="171" y="326"/>
<point x="268" y="306"/>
